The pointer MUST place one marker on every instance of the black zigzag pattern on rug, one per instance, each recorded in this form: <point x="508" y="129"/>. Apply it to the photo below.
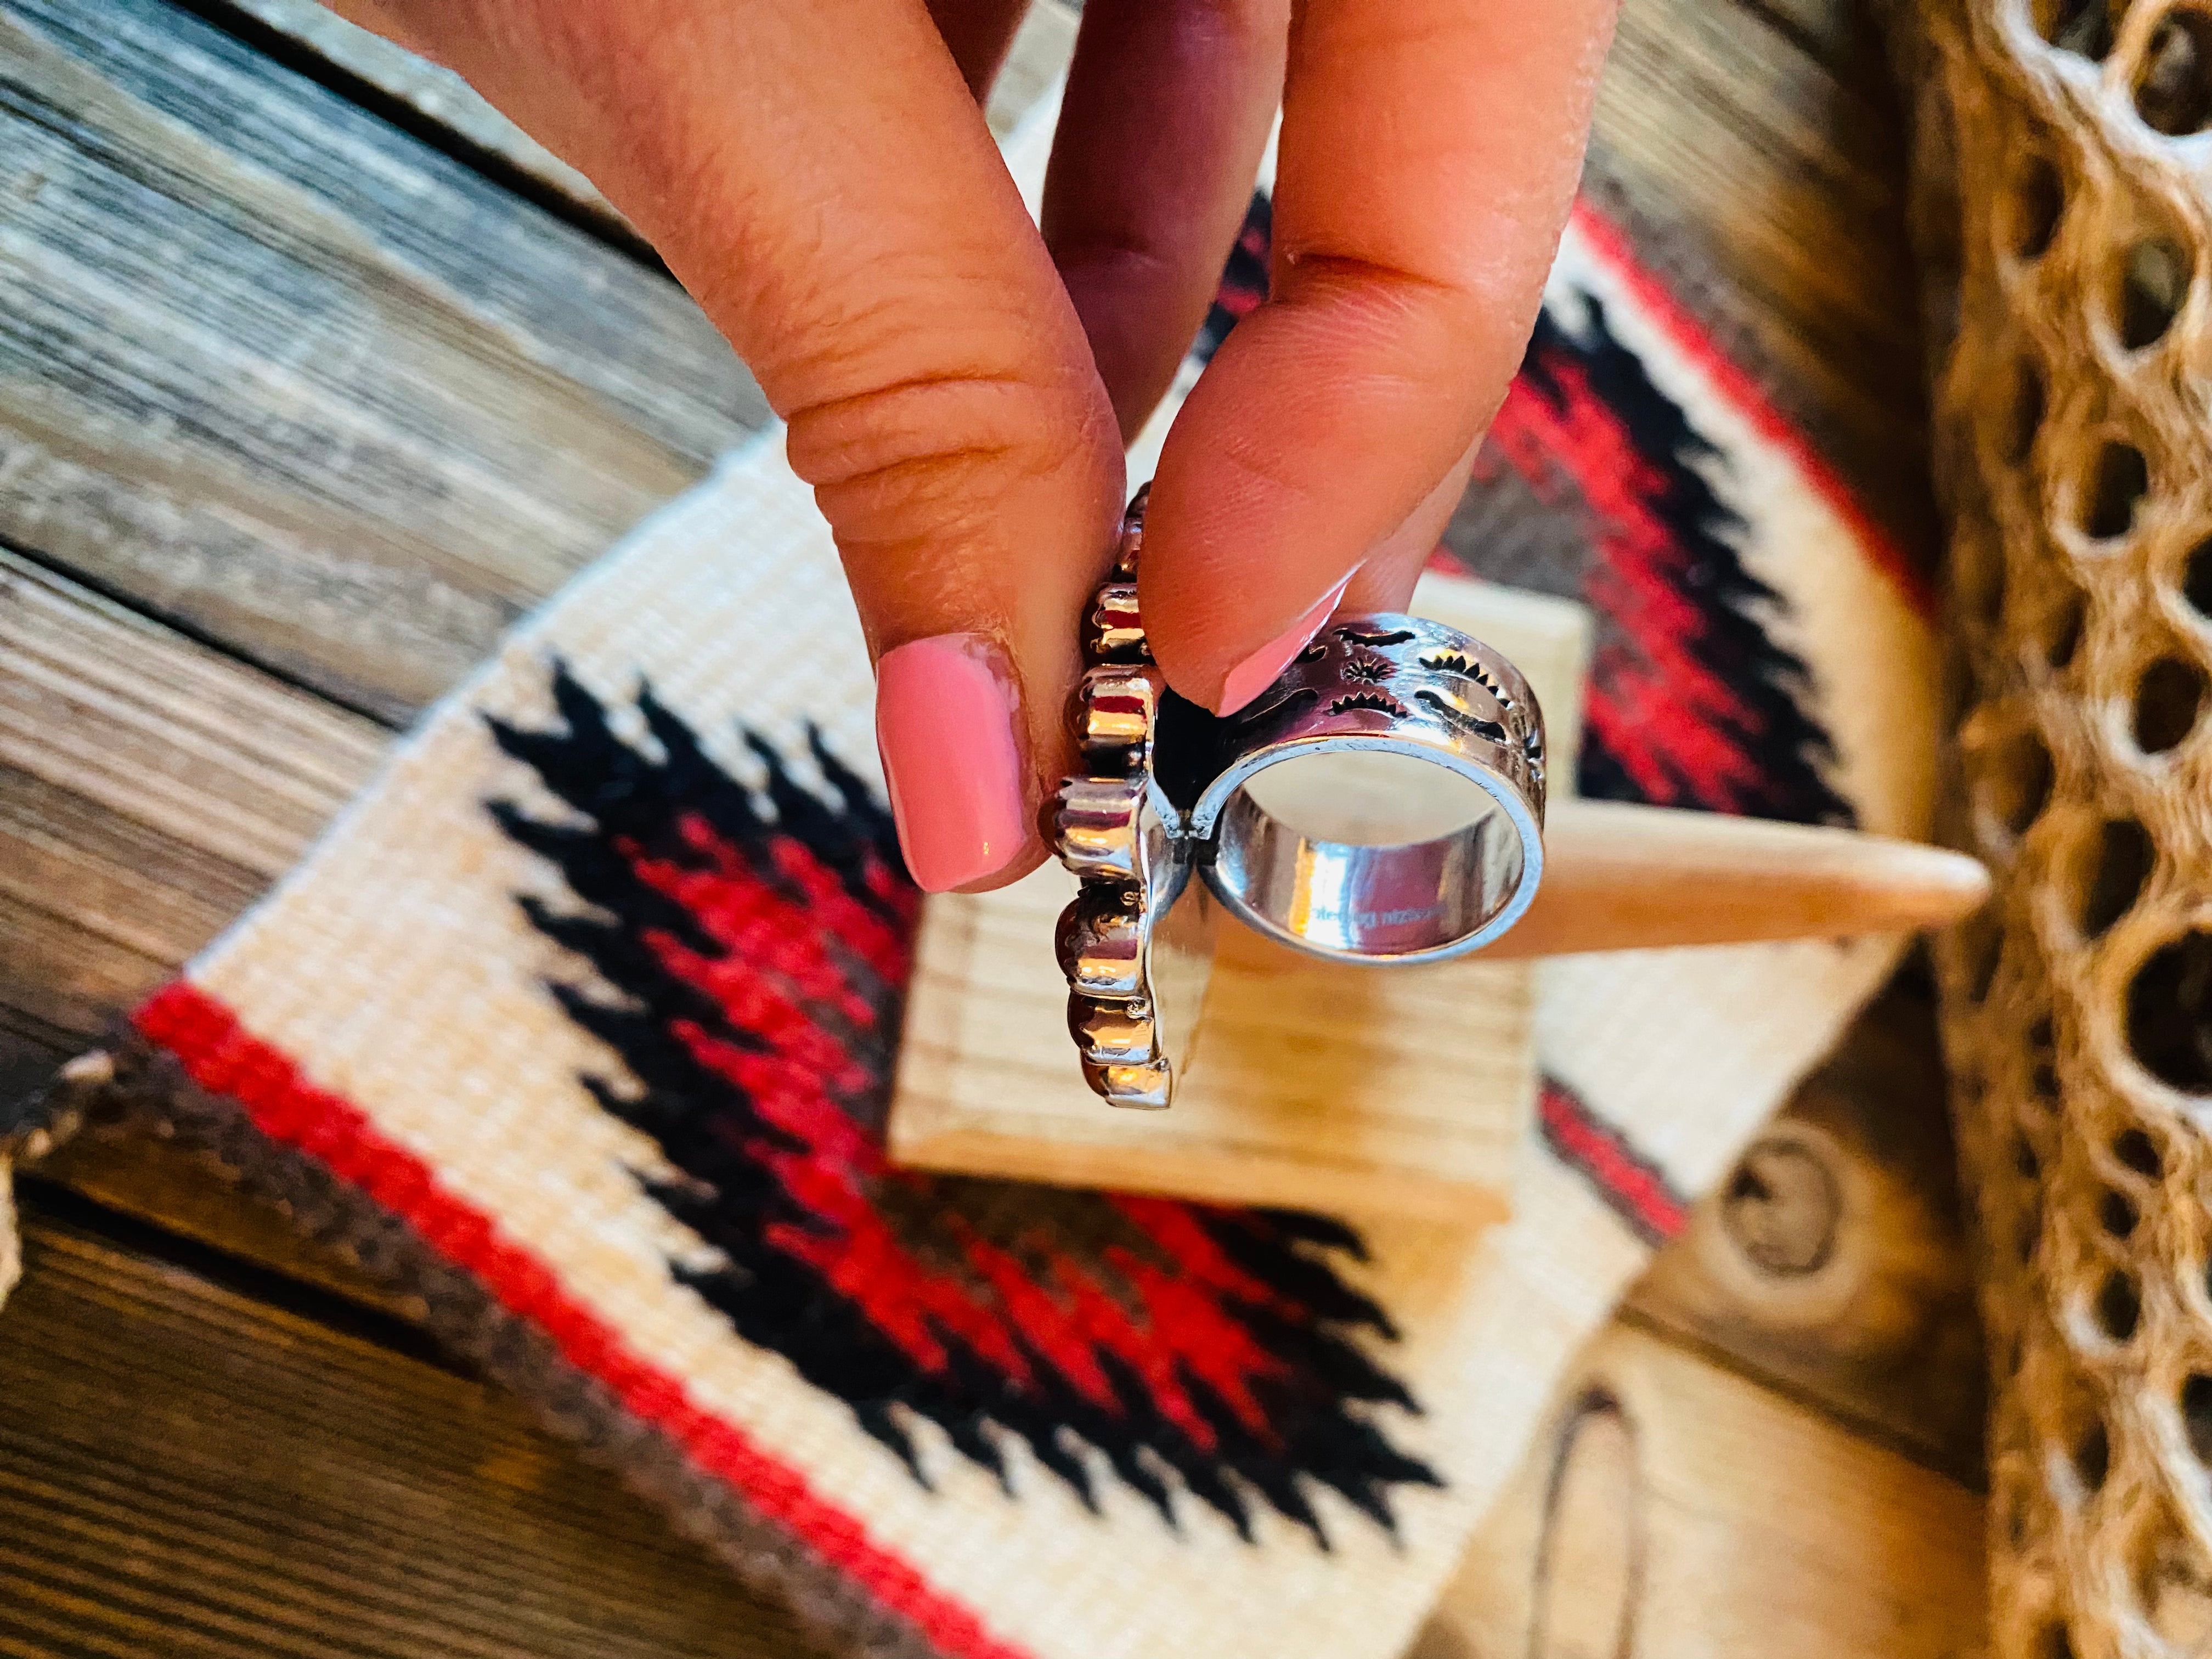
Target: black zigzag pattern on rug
<point x="1217" y="1349"/>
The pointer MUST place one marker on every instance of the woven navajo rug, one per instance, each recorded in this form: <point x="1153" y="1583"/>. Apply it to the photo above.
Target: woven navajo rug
<point x="577" y="1027"/>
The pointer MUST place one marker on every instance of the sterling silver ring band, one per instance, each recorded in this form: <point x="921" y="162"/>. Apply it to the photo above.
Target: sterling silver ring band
<point x="1377" y="684"/>
<point x="1170" y="792"/>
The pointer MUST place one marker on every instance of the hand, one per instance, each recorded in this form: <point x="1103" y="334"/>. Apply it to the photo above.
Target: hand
<point x="958" y="386"/>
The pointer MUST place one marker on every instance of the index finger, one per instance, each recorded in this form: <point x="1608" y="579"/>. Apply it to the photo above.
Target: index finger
<point x="819" y="178"/>
<point x="1429" y="154"/>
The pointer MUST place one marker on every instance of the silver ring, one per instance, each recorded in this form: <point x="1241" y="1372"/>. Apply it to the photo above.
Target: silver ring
<point x="1169" y="790"/>
<point x="1377" y="684"/>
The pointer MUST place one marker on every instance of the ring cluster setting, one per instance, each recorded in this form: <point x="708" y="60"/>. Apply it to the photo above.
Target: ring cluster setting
<point x="1164" y="828"/>
<point x="1139" y="931"/>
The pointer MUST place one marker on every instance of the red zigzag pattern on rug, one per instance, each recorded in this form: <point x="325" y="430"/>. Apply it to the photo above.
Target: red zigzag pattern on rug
<point x="222" y="1057"/>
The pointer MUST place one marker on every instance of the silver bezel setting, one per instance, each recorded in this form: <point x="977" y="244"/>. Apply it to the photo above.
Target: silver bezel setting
<point x="1117" y="834"/>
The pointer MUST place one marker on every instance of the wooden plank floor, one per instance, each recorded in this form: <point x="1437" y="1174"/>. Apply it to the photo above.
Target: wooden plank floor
<point x="289" y="328"/>
<point x="197" y="1460"/>
<point x="305" y="387"/>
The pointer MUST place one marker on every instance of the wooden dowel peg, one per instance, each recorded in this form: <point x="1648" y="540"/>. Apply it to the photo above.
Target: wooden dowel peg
<point x="1618" y="877"/>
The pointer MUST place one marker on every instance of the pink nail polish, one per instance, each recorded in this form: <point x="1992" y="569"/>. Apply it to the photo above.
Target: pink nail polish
<point x="944" y="728"/>
<point x="1257" y="671"/>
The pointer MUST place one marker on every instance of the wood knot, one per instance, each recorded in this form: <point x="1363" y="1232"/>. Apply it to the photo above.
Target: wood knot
<point x="1782" y="1207"/>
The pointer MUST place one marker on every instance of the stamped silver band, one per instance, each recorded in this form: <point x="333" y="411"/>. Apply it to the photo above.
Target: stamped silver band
<point x="1384" y="684"/>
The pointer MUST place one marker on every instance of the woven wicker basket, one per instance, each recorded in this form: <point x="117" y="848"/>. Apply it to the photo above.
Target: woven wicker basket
<point x="2064" y="207"/>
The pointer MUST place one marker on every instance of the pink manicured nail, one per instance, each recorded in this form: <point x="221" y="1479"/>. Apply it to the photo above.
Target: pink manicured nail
<point x="1257" y="671"/>
<point x="944" y="728"/>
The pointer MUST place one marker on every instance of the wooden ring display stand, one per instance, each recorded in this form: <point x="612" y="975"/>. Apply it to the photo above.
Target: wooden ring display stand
<point x="2064" y="207"/>
<point x="1336" y="1087"/>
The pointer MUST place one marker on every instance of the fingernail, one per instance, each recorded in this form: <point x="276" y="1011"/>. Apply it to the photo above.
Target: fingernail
<point x="1257" y="671"/>
<point x="944" y="729"/>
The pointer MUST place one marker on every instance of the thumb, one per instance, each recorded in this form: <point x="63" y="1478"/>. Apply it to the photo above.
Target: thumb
<point x="821" y="180"/>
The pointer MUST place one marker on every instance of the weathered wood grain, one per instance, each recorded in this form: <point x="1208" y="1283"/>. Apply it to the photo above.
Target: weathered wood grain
<point x="1758" y="141"/>
<point x="150" y="788"/>
<point x="1040" y="52"/>
<point x="189" y="1195"/>
<point x="1758" y="138"/>
<point x="1832" y="1264"/>
<point x="1674" y="1511"/>
<point x="186" y="1469"/>
<point x="431" y="91"/>
<point x="571" y="304"/>
<point x="301" y="384"/>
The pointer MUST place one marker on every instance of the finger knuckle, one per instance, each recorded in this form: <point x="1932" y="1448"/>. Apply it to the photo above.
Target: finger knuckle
<point x="933" y="456"/>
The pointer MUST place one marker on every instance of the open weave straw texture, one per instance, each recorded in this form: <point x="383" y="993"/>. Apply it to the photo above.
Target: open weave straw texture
<point x="2064" y="201"/>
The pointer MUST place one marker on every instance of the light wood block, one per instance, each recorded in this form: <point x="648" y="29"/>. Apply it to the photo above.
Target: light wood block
<point x="1317" y="1085"/>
